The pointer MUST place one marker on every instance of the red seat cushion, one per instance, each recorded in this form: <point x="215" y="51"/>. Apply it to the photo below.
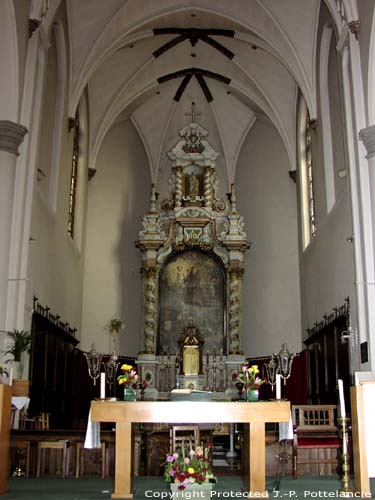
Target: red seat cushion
<point x="321" y="442"/>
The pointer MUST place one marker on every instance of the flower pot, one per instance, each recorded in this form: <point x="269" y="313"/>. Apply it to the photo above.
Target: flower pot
<point x="202" y="491"/>
<point x="20" y="388"/>
<point x="252" y="395"/>
<point x="129" y="394"/>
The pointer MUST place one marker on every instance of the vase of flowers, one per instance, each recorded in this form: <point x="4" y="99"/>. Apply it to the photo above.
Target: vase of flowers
<point x="129" y="379"/>
<point x="190" y="470"/>
<point x="250" y="381"/>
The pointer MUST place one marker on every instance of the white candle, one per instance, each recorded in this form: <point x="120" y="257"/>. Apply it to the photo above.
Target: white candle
<point x="102" y="385"/>
<point x="278" y="386"/>
<point x="11" y="376"/>
<point x="341" y="397"/>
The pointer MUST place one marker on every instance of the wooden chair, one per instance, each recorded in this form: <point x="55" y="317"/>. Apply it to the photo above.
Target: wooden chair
<point x="42" y="421"/>
<point x="80" y="451"/>
<point x="52" y="445"/>
<point x="315" y="437"/>
<point x="22" y="452"/>
<point x="184" y="435"/>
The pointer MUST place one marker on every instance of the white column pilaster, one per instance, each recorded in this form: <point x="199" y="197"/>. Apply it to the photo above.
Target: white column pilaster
<point x="367" y="136"/>
<point x="11" y="136"/>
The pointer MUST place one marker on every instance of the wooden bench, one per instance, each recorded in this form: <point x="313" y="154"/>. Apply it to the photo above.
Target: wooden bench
<point x="316" y="438"/>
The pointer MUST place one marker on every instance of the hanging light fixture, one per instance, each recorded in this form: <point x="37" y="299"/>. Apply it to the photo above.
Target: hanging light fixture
<point x="94" y="361"/>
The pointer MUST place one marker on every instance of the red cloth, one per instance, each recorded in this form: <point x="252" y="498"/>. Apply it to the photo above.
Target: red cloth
<point x="320" y="442"/>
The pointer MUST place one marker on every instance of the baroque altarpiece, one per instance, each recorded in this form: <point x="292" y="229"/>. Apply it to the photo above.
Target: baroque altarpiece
<point x="192" y="246"/>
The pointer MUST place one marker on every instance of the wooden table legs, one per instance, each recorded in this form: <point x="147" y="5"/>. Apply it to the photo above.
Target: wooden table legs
<point x="255" y="476"/>
<point x="123" y="469"/>
<point x="257" y="461"/>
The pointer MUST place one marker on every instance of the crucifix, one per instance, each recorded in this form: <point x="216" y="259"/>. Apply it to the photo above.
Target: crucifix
<point x="193" y="112"/>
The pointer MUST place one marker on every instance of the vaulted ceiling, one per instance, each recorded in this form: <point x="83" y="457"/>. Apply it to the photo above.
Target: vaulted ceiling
<point x="148" y="60"/>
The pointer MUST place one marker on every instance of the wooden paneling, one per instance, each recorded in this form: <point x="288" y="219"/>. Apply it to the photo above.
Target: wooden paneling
<point x="52" y="364"/>
<point x="327" y="361"/>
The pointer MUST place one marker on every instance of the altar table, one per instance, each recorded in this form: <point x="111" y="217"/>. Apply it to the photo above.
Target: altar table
<point x="182" y="412"/>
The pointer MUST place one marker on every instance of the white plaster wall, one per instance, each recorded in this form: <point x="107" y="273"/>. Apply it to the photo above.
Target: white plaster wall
<point x="327" y="265"/>
<point x="267" y="199"/>
<point x="117" y="199"/>
<point x="55" y="265"/>
<point x="327" y="269"/>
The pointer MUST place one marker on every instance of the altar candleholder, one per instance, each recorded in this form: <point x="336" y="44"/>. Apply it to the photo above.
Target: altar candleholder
<point x="207" y="368"/>
<point x="346" y="490"/>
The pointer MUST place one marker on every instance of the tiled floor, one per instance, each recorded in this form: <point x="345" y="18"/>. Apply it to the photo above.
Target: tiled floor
<point x="155" y="488"/>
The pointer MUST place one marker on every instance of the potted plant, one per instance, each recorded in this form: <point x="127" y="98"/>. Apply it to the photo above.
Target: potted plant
<point x="20" y="346"/>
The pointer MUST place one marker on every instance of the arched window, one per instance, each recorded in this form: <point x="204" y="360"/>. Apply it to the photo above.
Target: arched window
<point x="306" y="175"/>
<point x="74" y="178"/>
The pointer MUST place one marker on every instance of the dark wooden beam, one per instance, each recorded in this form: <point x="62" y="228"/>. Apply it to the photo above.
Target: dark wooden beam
<point x="182" y="87"/>
<point x="199" y="74"/>
<point x="204" y="87"/>
<point x="194" y="35"/>
<point x="218" y="46"/>
<point x="164" y="48"/>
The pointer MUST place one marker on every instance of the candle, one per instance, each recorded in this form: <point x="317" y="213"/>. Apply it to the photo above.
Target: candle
<point x="11" y="376"/>
<point x="221" y="355"/>
<point x="341" y="397"/>
<point x="278" y="386"/>
<point x="102" y="385"/>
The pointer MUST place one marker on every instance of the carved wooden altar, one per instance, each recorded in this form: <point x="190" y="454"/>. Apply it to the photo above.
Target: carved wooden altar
<point x="192" y="249"/>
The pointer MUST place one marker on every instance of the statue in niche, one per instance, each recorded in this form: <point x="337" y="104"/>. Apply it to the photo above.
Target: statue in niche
<point x="193" y="186"/>
<point x="191" y="343"/>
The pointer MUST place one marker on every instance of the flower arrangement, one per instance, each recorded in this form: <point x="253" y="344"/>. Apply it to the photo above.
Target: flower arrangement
<point x="248" y="377"/>
<point x="191" y="467"/>
<point x="129" y="376"/>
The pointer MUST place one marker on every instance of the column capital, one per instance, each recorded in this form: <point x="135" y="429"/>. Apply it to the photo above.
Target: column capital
<point x="367" y="136"/>
<point x="11" y="136"/>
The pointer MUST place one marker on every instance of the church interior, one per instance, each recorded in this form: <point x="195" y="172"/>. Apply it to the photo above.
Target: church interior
<point x="186" y="189"/>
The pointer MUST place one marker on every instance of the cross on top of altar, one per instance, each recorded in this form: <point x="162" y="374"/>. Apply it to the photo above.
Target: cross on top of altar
<point x="193" y="112"/>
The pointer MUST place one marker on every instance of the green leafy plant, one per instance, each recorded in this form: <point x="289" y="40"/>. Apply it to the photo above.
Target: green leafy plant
<point x="21" y="344"/>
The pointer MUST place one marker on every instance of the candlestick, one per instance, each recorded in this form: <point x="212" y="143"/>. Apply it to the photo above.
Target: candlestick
<point x="341" y="397"/>
<point x="102" y="385"/>
<point x="346" y="489"/>
<point x="278" y="386"/>
<point x="11" y="376"/>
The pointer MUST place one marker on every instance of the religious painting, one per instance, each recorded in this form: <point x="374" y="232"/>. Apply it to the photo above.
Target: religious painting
<point x="191" y="289"/>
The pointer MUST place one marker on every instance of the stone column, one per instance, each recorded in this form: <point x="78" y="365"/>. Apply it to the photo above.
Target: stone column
<point x="179" y="191"/>
<point x="207" y="188"/>
<point x="11" y="136"/>
<point x="235" y="280"/>
<point x="149" y="328"/>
